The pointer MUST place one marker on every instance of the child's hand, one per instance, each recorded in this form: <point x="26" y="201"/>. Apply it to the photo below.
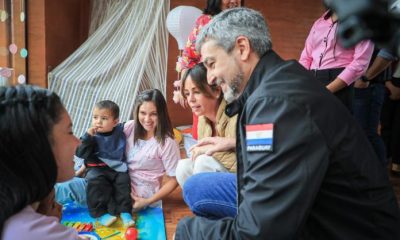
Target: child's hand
<point x="92" y="131"/>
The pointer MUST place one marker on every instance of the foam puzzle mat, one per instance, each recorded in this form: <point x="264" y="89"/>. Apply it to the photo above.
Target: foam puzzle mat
<point x="149" y="224"/>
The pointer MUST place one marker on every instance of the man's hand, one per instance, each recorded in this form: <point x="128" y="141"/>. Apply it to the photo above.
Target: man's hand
<point x="199" y="150"/>
<point x="217" y="144"/>
<point x="394" y="91"/>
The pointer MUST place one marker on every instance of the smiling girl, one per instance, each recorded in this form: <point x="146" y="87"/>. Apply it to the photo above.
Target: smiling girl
<point x="151" y="150"/>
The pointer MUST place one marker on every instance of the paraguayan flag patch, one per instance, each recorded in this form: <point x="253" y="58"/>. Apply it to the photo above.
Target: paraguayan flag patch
<point x="259" y="137"/>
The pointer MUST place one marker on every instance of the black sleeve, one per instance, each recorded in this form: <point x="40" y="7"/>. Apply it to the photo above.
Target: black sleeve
<point x="87" y="146"/>
<point x="279" y="186"/>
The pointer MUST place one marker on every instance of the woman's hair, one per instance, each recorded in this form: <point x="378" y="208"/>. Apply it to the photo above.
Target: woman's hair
<point x="28" y="169"/>
<point x="198" y="74"/>
<point x="164" y="126"/>
<point x="214" y="7"/>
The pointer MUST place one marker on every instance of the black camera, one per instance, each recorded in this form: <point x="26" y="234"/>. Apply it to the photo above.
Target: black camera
<point x="368" y="19"/>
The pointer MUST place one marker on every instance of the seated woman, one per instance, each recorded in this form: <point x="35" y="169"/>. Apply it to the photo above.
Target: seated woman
<point x="206" y="102"/>
<point x="36" y="148"/>
<point x="151" y="153"/>
<point x="151" y="150"/>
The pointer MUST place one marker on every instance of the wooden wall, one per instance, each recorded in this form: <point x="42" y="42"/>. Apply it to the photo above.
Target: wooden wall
<point x="57" y="28"/>
<point x="13" y="31"/>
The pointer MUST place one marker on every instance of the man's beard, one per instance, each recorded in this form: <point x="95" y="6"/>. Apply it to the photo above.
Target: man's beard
<point x="233" y="92"/>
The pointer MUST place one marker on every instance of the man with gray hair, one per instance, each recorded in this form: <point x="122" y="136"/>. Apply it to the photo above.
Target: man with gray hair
<point x="305" y="169"/>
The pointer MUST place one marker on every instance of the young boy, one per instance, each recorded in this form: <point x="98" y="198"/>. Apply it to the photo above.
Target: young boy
<point x="103" y="151"/>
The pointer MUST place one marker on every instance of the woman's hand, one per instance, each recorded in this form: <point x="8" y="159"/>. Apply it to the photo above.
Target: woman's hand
<point x="177" y="96"/>
<point x="140" y="203"/>
<point x="361" y="84"/>
<point x="49" y="207"/>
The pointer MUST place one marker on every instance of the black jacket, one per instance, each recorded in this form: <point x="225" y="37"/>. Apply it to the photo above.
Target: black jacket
<point x="321" y="180"/>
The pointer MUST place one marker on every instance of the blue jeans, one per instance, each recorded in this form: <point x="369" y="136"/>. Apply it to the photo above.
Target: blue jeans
<point x="73" y="190"/>
<point x="211" y="195"/>
<point x="367" y="108"/>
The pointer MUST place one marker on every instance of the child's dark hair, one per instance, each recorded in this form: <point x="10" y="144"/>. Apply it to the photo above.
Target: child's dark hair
<point x="28" y="169"/>
<point x="198" y="74"/>
<point x="164" y="126"/>
<point x="110" y="105"/>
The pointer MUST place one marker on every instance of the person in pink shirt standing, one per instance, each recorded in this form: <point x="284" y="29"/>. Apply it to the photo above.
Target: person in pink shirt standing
<point x="151" y="150"/>
<point x="36" y="151"/>
<point x="333" y="65"/>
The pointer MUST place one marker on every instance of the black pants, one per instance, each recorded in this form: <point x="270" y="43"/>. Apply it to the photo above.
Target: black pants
<point x="390" y="128"/>
<point x="108" y="191"/>
<point x="345" y="95"/>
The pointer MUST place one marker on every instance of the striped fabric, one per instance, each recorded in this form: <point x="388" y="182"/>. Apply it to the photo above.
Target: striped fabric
<point x="125" y="54"/>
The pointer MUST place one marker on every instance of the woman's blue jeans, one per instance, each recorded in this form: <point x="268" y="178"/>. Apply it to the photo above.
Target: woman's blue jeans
<point x="211" y="195"/>
<point x="73" y="190"/>
<point x="367" y="108"/>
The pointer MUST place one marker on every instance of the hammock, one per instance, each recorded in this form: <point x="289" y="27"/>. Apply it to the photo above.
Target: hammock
<point x="125" y="54"/>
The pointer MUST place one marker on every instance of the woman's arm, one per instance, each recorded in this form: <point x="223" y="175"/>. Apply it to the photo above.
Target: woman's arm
<point x="167" y="188"/>
<point x="355" y="69"/>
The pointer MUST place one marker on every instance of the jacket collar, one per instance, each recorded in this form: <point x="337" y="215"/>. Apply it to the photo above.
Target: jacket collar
<point x="269" y="59"/>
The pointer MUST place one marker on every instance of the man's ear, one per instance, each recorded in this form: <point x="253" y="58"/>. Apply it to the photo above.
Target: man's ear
<point x="116" y="121"/>
<point x="243" y="47"/>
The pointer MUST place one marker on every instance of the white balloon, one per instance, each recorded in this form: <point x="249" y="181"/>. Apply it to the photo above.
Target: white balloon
<point x="181" y="21"/>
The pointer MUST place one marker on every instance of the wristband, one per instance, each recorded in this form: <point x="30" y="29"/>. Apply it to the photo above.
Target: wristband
<point x="364" y="79"/>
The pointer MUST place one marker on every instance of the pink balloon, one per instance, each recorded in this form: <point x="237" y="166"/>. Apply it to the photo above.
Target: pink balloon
<point x="5" y="72"/>
<point x="13" y="48"/>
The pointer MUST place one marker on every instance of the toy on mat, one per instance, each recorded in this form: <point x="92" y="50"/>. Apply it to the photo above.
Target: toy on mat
<point x="80" y="227"/>
<point x="105" y="232"/>
<point x="131" y="234"/>
<point x="90" y="235"/>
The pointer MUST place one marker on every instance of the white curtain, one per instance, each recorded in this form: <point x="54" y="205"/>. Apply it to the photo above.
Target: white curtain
<point x="125" y="53"/>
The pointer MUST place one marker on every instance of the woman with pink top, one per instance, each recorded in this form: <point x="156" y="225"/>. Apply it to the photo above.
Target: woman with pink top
<point x="151" y="150"/>
<point x="333" y="65"/>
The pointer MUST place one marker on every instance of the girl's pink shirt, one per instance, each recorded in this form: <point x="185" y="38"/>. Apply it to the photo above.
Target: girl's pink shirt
<point x="148" y="161"/>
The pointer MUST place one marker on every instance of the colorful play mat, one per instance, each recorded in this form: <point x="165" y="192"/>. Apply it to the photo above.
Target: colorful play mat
<point x="149" y="224"/>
